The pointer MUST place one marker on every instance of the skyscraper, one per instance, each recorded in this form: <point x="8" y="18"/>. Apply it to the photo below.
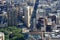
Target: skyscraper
<point x="28" y="13"/>
<point x="12" y="17"/>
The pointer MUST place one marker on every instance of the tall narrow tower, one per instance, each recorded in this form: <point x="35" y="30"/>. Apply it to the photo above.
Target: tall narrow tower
<point x="28" y="13"/>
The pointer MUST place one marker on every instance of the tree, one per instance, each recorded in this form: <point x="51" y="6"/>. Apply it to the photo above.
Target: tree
<point x="12" y="33"/>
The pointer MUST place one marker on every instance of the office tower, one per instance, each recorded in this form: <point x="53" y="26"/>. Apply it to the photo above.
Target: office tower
<point x="13" y="9"/>
<point x="27" y="14"/>
<point x="12" y="17"/>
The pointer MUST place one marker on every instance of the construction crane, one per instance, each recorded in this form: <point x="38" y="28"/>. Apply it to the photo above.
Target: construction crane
<point x="33" y="17"/>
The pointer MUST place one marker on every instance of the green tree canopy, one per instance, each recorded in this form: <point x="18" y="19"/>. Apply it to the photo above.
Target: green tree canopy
<point x="12" y="33"/>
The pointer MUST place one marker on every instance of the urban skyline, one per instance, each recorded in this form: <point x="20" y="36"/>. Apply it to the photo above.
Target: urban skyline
<point x="30" y="19"/>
